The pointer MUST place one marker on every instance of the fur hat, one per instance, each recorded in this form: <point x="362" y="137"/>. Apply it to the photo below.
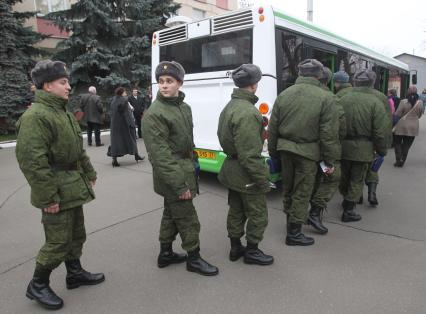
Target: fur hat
<point x="310" y="67"/>
<point x="46" y="71"/>
<point x="364" y="77"/>
<point x="341" y="77"/>
<point x="326" y="75"/>
<point x="173" y="69"/>
<point x="246" y="75"/>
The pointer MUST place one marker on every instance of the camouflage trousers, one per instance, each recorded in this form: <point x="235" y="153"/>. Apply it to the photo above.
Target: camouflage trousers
<point x="250" y="208"/>
<point x="65" y="235"/>
<point x="298" y="174"/>
<point x="352" y="180"/>
<point x="180" y="217"/>
<point x="325" y="186"/>
<point x="372" y="176"/>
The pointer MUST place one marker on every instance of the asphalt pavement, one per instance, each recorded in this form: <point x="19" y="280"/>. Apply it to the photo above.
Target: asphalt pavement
<point x="376" y="265"/>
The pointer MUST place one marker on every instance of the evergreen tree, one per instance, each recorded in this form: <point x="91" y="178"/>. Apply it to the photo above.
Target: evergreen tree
<point x="110" y="44"/>
<point x="16" y="50"/>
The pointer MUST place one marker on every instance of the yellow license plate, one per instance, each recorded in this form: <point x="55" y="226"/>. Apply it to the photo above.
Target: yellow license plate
<point x="206" y="154"/>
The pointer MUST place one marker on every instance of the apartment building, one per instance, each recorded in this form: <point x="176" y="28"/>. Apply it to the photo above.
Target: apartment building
<point x="199" y="9"/>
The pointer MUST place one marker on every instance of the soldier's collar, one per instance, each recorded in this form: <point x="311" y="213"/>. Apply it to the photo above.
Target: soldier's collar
<point x="308" y="80"/>
<point x="176" y="101"/>
<point x="246" y="95"/>
<point x="50" y="99"/>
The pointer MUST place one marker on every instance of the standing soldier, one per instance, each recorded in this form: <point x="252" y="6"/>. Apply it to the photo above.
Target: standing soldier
<point x="91" y="105"/>
<point x="167" y="128"/>
<point x="372" y="178"/>
<point x="367" y="124"/>
<point x="50" y="154"/>
<point x="303" y="130"/>
<point x="244" y="172"/>
<point x="341" y="83"/>
<point x="327" y="184"/>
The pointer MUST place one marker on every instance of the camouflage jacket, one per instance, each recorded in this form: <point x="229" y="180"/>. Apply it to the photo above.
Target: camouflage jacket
<point x="304" y="122"/>
<point x="168" y="134"/>
<point x="240" y="133"/>
<point x="48" y="136"/>
<point x="367" y="125"/>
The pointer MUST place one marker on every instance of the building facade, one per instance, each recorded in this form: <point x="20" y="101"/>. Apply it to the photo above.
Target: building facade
<point x="200" y="9"/>
<point x="417" y="66"/>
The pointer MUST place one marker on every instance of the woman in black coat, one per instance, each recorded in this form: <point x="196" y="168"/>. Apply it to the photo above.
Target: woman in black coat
<point x="123" y="128"/>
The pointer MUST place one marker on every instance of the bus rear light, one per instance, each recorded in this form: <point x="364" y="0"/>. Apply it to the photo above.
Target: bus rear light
<point x="155" y="35"/>
<point x="154" y="42"/>
<point x="260" y="10"/>
<point x="261" y="18"/>
<point x="265" y="121"/>
<point x="265" y="135"/>
<point x="264" y="108"/>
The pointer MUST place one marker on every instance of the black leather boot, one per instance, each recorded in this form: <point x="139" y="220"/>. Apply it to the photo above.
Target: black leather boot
<point x="372" y="197"/>
<point x="115" y="162"/>
<point x="196" y="264"/>
<point x="255" y="256"/>
<point x="77" y="276"/>
<point x="138" y="157"/>
<point x="296" y="237"/>
<point x="237" y="249"/>
<point x="315" y="219"/>
<point x="361" y="200"/>
<point x="349" y="213"/>
<point x="38" y="289"/>
<point x="167" y="256"/>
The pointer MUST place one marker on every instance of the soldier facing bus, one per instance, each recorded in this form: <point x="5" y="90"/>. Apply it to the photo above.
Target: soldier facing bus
<point x="367" y="132"/>
<point x="167" y="128"/>
<point x="327" y="184"/>
<point x="244" y="172"/>
<point x="50" y="154"/>
<point x="303" y="131"/>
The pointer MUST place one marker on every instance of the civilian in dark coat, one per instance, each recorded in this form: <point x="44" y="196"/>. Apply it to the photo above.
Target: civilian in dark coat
<point x="91" y="105"/>
<point x="138" y="104"/>
<point x="123" y="133"/>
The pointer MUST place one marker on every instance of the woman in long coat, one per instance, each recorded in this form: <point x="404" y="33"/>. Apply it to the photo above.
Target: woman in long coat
<point x="123" y="128"/>
<point x="409" y="112"/>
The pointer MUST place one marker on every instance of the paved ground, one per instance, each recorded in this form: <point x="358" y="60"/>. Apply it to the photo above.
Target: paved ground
<point x="373" y="266"/>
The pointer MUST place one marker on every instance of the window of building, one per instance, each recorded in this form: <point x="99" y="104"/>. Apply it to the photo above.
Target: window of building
<point x="47" y="6"/>
<point x="198" y="14"/>
<point x="222" y="52"/>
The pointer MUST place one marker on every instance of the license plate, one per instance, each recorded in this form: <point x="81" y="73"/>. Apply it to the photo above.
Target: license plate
<point x="205" y="154"/>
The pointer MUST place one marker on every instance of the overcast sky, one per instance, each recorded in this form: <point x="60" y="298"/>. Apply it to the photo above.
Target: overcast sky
<point x="390" y="27"/>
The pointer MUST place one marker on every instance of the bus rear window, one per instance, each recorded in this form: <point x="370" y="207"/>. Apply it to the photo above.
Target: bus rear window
<point x="215" y="53"/>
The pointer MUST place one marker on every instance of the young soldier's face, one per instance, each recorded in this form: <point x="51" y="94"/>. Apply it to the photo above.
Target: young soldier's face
<point x="169" y="86"/>
<point x="59" y="87"/>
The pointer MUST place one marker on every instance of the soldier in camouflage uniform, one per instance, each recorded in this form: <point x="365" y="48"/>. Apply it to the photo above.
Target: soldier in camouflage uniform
<point x="51" y="156"/>
<point x="167" y="128"/>
<point x="327" y="184"/>
<point x="341" y="83"/>
<point x="372" y="177"/>
<point x="367" y="128"/>
<point x="303" y="129"/>
<point x="244" y="172"/>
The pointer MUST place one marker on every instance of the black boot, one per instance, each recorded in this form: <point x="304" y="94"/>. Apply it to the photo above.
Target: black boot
<point x="39" y="289"/>
<point x="296" y="237"/>
<point x="196" y="264"/>
<point x="237" y="249"/>
<point x="349" y="213"/>
<point x="167" y="256"/>
<point x="372" y="197"/>
<point x="115" y="162"/>
<point x="361" y="200"/>
<point x="77" y="276"/>
<point x="255" y="256"/>
<point x="315" y="219"/>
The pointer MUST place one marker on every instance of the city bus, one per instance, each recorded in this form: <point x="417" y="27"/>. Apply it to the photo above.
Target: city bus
<point x="211" y="48"/>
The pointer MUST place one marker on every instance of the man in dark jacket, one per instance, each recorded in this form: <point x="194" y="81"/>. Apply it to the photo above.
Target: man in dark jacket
<point x="138" y="104"/>
<point x="50" y="154"/>
<point x="367" y="132"/>
<point x="303" y="130"/>
<point x="91" y="105"/>
<point x="244" y="172"/>
<point x="167" y="128"/>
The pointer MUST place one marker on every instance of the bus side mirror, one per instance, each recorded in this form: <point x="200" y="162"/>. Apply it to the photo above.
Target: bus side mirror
<point x="414" y="79"/>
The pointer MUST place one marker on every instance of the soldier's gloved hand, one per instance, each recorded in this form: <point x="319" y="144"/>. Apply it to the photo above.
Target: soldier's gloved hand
<point x="186" y="195"/>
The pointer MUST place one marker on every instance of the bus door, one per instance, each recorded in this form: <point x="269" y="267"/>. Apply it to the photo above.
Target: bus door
<point x="324" y="53"/>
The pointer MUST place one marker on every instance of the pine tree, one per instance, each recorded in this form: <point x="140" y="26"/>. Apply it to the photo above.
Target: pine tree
<point x="16" y="50"/>
<point x="110" y="44"/>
